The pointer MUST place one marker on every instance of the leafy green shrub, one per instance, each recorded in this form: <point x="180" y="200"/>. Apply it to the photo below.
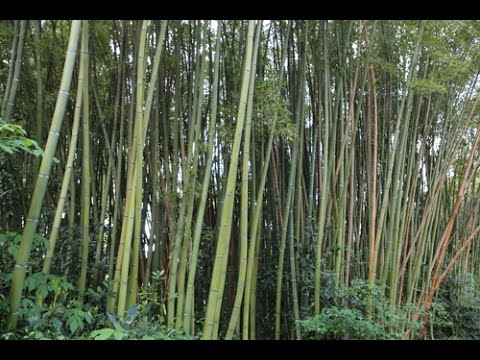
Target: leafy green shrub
<point x="456" y="313"/>
<point x="337" y="323"/>
<point x="347" y="316"/>
<point x="50" y="308"/>
<point x="9" y="245"/>
<point x="137" y="326"/>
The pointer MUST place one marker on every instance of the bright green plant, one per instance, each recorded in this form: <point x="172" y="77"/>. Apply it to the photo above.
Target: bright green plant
<point x="13" y="138"/>
<point x="50" y="309"/>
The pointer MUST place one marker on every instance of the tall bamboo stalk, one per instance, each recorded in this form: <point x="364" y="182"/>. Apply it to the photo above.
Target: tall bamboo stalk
<point x="12" y="91"/>
<point x="21" y="263"/>
<point x="86" y="200"/>
<point x="218" y="277"/>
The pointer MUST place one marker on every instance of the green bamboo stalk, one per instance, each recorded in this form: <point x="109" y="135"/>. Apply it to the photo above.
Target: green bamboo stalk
<point x="295" y="229"/>
<point x="11" y="67"/>
<point x="352" y="178"/>
<point x="338" y="184"/>
<point x="223" y="273"/>
<point x="133" y="272"/>
<point x="66" y="182"/>
<point x="325" y="176"/>
<point x="133" y="283"/>
<point x="106" y="181"/>
<point x="118" y="177"/>
<point x="155" y="238"/>
<point x="442" y="247"/>
<point x="21" y="263"/>
<point x="186" y="243"/>
<point x="12" y="93"/>
<point x="218" y="277"/>
<point x="254" y="228"/>
<point x="132" y="286"/>
<point x="193" y="129"/>
<point x="391" y="160"/>
<point x="85" y="209"/>
<point x="187" y="316"/>
<point x="289" y="199"/>
<point x="71" y="225"/>
<point x="177" y="126"/>
<point x="39" y="77"/>
<point x="134" y="166"/>
<point x="254" y="194"/>
<point x="400" y="219"/>
<point x="242" y="272"/>
<point x="253" y="292"/>
<point x="291" y="241"/>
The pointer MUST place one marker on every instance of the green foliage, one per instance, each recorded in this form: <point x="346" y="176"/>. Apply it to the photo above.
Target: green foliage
<point x="456" y="313"/>
<point x="138" y="325"/>
<point x="49" y="310"/>
<point x="142" y="321"/>
<point x="428" y="86"/>
<point x="9" y="245"/>
<point x="12" y="139"/>
<point x="268" y="102"/>
<point x="76" y="320"/>
<point x="347" y="317"/>
<point x="345" y="324"/>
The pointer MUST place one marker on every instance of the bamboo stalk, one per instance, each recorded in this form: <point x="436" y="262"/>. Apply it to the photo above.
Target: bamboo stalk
<point x="21" y="262"/>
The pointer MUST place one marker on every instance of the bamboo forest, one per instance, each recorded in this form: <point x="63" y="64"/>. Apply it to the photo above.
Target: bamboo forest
<point x="244" y="180"/>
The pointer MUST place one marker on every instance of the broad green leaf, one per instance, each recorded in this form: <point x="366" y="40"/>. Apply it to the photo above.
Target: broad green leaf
<point x="13" y="250"/>
<point x="102" y="334"/>
<point x="37" y="152"/>
<point x="28" y="142"/>
<point x="42" y="291"/>
<point x="118" y="327"/>
<point x="118" y="335"/>
<point x="88" y="317"/>
<point x="73" y="325"/>
<point x="6" y="148"/>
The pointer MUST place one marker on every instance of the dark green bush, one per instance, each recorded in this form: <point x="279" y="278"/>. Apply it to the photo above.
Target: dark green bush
<point x="347" y="316"/>
<point x="456" y="312"/>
